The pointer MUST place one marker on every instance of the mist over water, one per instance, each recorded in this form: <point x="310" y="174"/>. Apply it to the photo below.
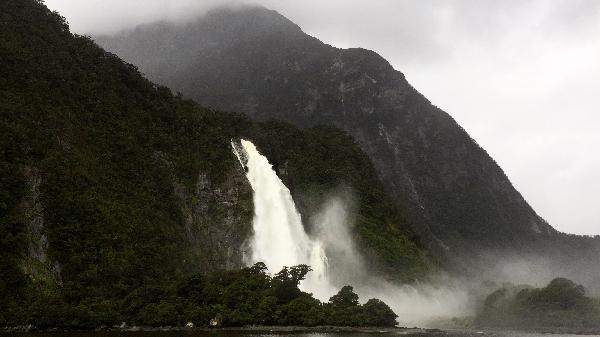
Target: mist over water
<point x="416" y="305"/>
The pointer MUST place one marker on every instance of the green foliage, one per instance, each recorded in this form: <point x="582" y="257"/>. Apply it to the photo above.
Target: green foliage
<point x="251" y="296"/>
<point x="562" y="303"/>
<point x="345" y="298"/>
<point x="109" y="150"/>
<point x="235" y="297"/>
<point x="343" y="308"/>
<point x="378" y="313"/>
<point x="285" y="283"/>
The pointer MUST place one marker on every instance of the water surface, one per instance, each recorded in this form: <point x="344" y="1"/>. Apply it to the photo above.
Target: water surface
<point x="187" y="333"/>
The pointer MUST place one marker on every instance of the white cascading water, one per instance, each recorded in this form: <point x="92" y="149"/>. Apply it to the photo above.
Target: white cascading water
<point x="279" y="238"/>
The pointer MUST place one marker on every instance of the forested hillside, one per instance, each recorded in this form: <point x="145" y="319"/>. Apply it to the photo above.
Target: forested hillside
<point x="114" y="191"/>
<point x="254" y="60"/>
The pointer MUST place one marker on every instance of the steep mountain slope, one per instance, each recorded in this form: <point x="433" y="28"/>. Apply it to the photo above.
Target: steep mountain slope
<point x="256" y="61"/>
<point x="109" y="186"/>
<point x="112" y="188"/>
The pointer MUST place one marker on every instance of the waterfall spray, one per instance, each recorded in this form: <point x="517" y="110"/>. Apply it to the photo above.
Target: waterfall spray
<point x="279" y="238"/>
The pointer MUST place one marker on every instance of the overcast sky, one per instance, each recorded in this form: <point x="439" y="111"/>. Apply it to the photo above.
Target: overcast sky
<point x="522" y="77"/>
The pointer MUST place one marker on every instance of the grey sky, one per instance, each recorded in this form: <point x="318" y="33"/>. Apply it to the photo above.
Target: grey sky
<point x="522" y="77"/>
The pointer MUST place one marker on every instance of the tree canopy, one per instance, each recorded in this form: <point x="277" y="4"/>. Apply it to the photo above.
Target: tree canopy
<point x="561" y="303"/>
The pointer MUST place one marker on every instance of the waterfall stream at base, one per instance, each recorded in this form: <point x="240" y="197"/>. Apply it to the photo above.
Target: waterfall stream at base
<point x="279" y="238"/>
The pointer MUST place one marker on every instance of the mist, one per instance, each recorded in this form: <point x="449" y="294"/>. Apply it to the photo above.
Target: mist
<point x="538" y="270"/>
<point x="435" y="301"/>
<point x="118" y="15"/>
<point x="420" y="304"/>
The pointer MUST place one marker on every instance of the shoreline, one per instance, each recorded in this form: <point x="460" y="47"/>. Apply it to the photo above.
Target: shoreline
<point x="294" y="329"/>
<point x="258" y="329"/>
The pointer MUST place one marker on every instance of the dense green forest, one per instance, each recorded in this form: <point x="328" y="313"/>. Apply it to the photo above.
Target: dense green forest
<point x="249" y="296"/>
<point x="560" y="304"/>
<point x="114" y="191"/>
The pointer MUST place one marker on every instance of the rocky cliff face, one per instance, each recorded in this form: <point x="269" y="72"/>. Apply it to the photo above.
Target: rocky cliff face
<point x="36" y="263"/>
<point x="216" y="217"/>
<point x="255" y="61"/>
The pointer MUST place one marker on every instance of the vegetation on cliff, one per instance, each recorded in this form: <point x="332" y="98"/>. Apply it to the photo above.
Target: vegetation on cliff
<point x="113" y="188"/>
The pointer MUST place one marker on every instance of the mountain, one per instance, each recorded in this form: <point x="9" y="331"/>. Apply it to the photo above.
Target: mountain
<point x="256" y="61"/>
<point x="113" y="190"/>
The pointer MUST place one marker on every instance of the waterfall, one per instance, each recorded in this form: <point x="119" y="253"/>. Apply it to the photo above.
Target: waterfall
<point x="279" y="238"/>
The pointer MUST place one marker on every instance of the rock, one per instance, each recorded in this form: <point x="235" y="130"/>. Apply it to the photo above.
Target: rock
<point x="101" y="328"/>
<point x="215" y="323"/>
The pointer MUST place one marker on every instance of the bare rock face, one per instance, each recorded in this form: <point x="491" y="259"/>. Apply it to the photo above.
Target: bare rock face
<point x="37" y="240"/>
<point x="217" y="217"/>
<point x="36" y="263"/>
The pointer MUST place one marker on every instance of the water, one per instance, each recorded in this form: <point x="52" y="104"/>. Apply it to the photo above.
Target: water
<point x="222" y="333"/>
<point x="279" y="238"/>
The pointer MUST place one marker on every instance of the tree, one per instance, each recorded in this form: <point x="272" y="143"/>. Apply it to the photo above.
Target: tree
<point x="561" y="292"/>
<point x="285" y="283"/>
<point x="344" y="298"/>
<point x="377" y="313"/>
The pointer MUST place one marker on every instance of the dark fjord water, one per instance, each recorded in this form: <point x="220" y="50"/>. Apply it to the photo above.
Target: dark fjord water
<point x="186" y="333"/>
